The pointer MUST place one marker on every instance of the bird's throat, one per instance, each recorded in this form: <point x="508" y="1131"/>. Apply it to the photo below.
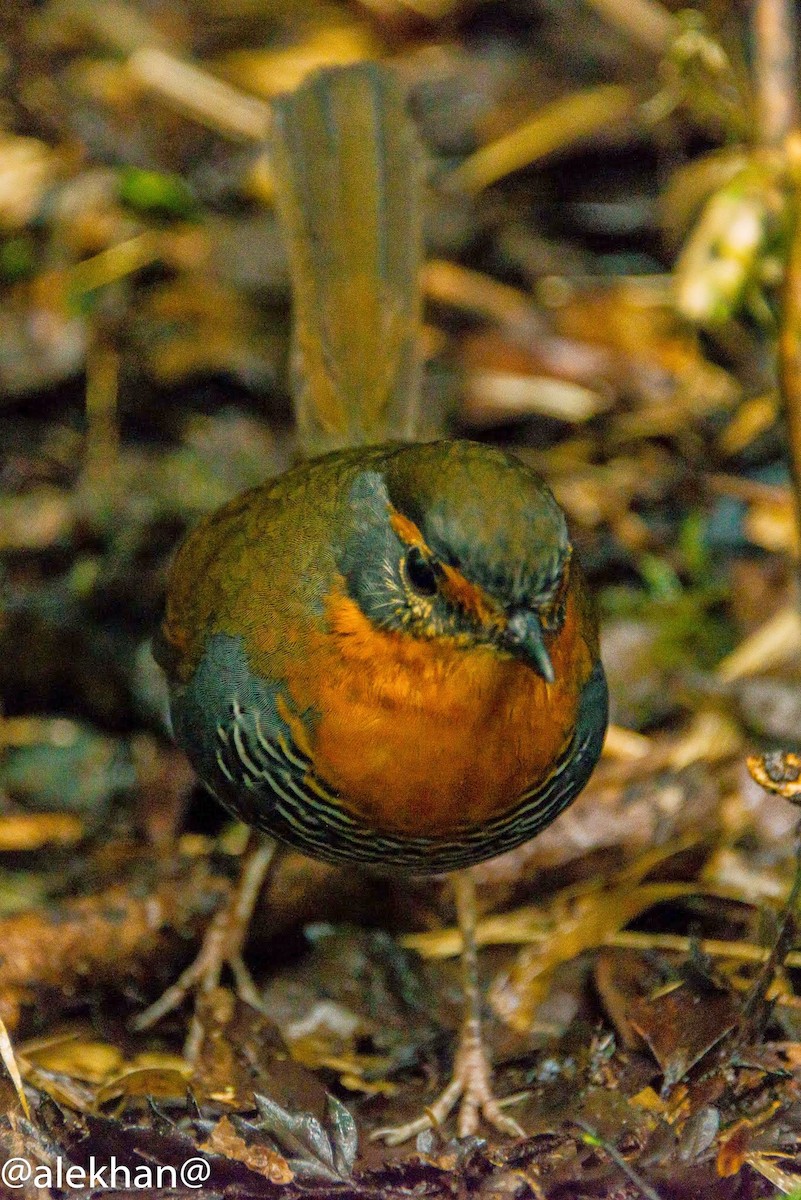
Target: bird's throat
<point x="424" y="736"/>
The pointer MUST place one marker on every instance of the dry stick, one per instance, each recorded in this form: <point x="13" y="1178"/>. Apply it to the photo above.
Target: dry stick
<point x="646" y="22"/>
<point x="747" y="952"/>
<point x="491" y="932"/>
<point x="789" y="348"/>
<point x="102" y="426"/>
<point x="556" y="126"/>
<point x="593" y="1138"/>
<point x="117" y="25"/>
<point x="774" y="25"/>
<point x="776" y="69"/>
<point x="203" y="96"/>
<point x="9" y="1060"/>
<point x="754" y="1008"/>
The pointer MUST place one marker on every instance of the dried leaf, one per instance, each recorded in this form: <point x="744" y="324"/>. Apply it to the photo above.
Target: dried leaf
<point x="733" y="1149"/>
<point x="345" y="1136"/>
<point x="167" y="1082"/>
<point x="733" y="1152"/>
<point x="224" y="1140"/>
<point x="32" y="831"/>
<point x="699" y="1132"/>
<point x="88" y="1061"/>
<point x="316" y="1154"/>
<point x="582" y="925"/>
<point x="682" y="1026"/>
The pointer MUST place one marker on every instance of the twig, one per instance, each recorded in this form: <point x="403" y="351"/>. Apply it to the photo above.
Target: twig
<point x="557" y="126"/>
<point x="9" y="1061"/>
<point x="118" y="25"/>
<point x="114" y="263"/>
<point x="774" y="643"/>
<point x="593" y="1138"/>
<point x="776" y="69"/>
<point x="102" y="427"/>
<point x="504" y="931"/>
<point x="755" y="1002"/>
<point x="747" y="952"/>
<point x="780" y="774"/>
<point x="209" y="100"/>
<point x="789" y="346"/>
<point x="774" y="25"/>
<point x="646" y="22"/>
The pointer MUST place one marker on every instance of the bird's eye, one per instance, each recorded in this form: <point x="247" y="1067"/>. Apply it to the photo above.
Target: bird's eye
<point x="420" y="573"/>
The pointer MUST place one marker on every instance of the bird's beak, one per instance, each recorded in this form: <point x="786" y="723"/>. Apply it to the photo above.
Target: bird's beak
<point x="524" y="635"/>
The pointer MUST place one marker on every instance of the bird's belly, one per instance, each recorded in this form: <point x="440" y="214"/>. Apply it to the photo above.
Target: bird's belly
<point x="426" y="738"/>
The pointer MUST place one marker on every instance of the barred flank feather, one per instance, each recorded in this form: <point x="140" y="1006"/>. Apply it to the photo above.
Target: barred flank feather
<point x="288" y="801"/>
<point x="347" y="168"/>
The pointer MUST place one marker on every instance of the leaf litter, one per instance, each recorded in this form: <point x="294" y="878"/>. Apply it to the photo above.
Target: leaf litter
<point x="609" y="231"/>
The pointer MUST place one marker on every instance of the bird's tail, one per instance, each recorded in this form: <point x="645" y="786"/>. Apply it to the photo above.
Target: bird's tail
<point x="348" y="182"/>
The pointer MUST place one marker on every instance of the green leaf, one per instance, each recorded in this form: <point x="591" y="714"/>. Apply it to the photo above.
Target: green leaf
<point x="17" y="259"/>
<point x="156" y="193"/>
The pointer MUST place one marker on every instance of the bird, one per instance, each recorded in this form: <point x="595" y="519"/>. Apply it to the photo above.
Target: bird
<point x="387" y="656"/>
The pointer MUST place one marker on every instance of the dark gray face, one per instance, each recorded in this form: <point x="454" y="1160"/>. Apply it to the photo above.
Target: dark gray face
<point x="457" y="539"/>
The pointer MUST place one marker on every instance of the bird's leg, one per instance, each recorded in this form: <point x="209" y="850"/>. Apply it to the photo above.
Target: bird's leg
<point x="222" y="944"/>
<point x="472" y="1073"/>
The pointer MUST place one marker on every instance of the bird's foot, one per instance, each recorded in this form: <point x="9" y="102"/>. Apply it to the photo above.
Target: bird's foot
<point x="222" y="946"/>
<point x="472" y="1085"/>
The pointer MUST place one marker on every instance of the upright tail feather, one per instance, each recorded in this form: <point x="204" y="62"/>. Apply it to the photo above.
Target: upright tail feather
<point x="348" y="182"/>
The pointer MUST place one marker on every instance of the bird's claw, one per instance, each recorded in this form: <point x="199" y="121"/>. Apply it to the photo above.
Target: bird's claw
<point x="221" y="946"/>
<point x="472" y="1085"/>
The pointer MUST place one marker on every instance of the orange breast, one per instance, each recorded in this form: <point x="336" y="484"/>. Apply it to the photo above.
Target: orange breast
<point x="422" y="737"/>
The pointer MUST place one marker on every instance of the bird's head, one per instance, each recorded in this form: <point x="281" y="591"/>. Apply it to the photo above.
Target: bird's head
<point x="459" y="540"/>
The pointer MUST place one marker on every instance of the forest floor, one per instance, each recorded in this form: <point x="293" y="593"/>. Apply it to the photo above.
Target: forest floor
<point x="611" y="272"/>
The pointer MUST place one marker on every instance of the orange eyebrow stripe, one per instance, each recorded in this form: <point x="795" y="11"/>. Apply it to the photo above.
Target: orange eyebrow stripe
<point x="406" y="530"/>
<point x="453" y="585"/>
